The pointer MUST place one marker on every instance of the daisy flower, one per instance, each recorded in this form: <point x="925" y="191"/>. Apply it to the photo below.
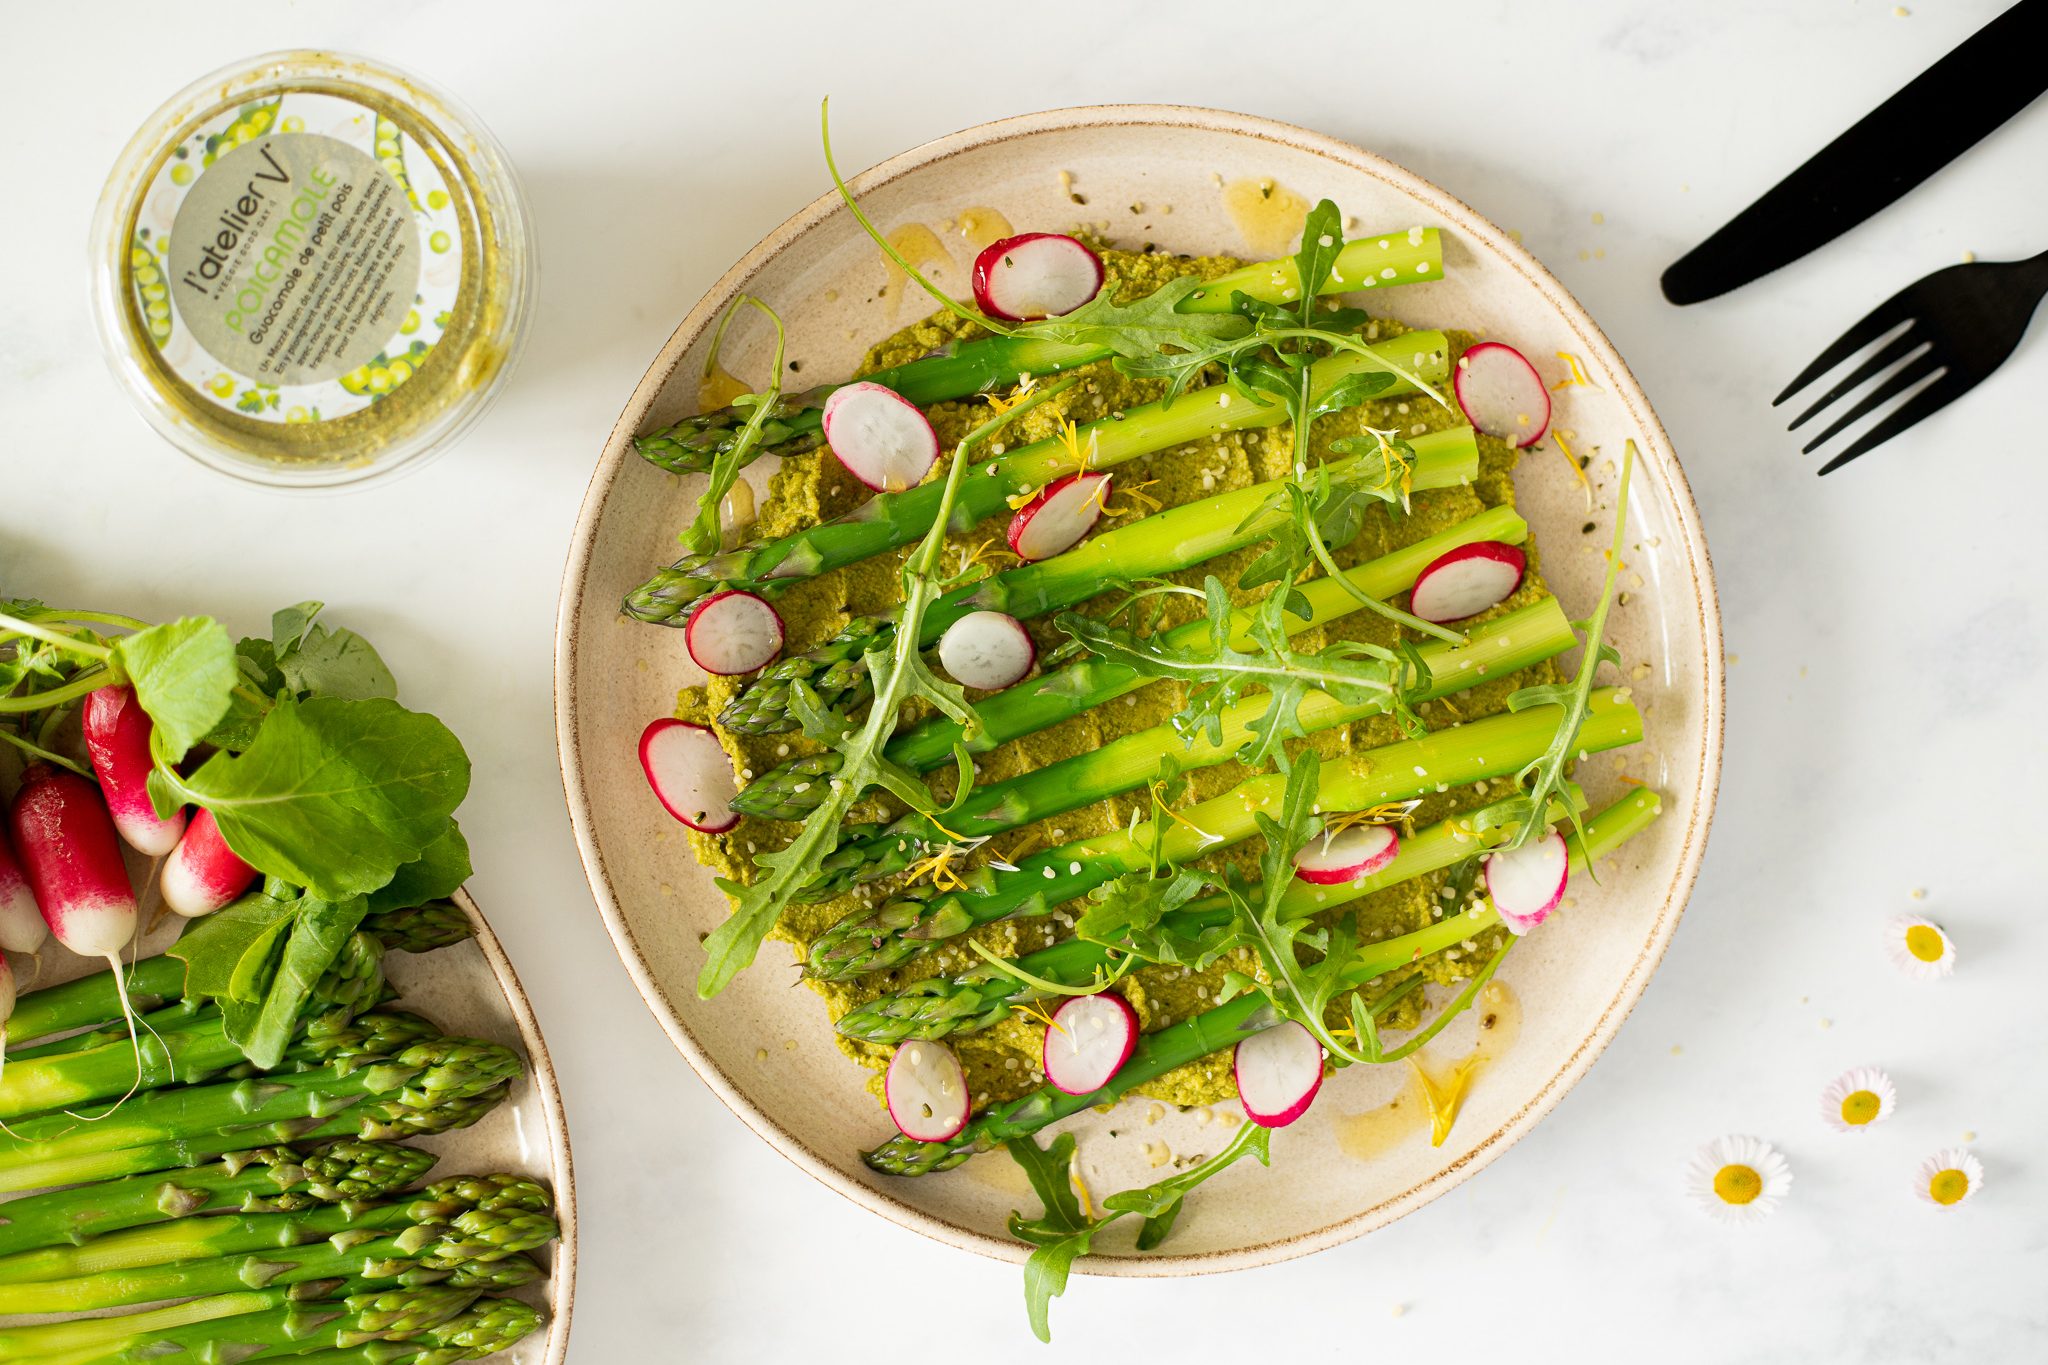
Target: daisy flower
<point x="1856" y="1099"/>
<point x="1919" y="948"/>
<point x="1738" y="1179"/>
<point x="1949" y="1177"/>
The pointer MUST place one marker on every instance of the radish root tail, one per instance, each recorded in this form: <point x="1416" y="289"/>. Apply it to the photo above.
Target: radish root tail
<point x="135" y="1028"/>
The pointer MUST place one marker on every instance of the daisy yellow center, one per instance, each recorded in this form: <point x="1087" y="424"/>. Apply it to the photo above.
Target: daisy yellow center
<point x="1860" y="1107"/>
<point x="1924" y="942"/>
<point x="1948" y="1187"/>
<point x="1737" y="1184"/>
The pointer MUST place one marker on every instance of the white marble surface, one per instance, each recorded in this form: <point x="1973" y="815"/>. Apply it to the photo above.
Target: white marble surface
<point x="1884" y="724"/>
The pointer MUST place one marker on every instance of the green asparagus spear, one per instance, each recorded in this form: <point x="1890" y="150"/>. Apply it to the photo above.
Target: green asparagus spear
<point x="200" y="1236"/>
<point x="334" y="1332"/>
<point x="792" y="790"/>
<point x="1202" y="1034"/>
<point x="1165" y="542"/>
<point x="941" y="1006"/>
<point x="420" y="928"/>
<point x="266" y="1180"/>
<point x="1530" y="635"/>
<point x="485" y="1328"/>
<point x="481" y="1247"/>
<point x="401" y="1094"/>
<point x="975" y="366"/>
<point x="193" y="1047"/>
<point x="904" y="927"/>
<point x="890" y="520"/>
<point x="239" y="1326"/>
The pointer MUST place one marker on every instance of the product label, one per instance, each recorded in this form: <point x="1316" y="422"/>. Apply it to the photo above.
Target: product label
<point x="296" y="259"/>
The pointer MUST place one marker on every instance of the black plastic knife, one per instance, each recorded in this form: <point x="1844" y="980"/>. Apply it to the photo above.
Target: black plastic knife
<point x="1944" y="112"/>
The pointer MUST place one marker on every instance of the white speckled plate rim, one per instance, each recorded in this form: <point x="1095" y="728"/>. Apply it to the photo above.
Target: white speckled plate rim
<point x="1655" y="450"/>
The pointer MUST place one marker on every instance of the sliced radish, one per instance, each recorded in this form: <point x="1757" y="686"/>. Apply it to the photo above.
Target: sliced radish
<point x="1054" y="522"/>
<point x="1527" y="883"/>
<point x="117" y="732"/>
<point x="1278" y="1071"/>
<point x="880" y="436"/>
<point x="1035" y="275"/>
<point x="1347" y="855"/>
<point x="1502" y="394"/>
<point x="733" y="632"/>
<point x="1466" y="581"/>
<point x="691" y="776"/>
<point x="927" y="1091"/>
<point x="987" y="649"/>
<point x="1090" y="1040"/>
<point x="203" y="873"/>
<point x="21" y="922"/>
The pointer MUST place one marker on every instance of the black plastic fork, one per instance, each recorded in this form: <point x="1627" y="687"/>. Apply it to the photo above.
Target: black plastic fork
<point x="1955" y="326"/>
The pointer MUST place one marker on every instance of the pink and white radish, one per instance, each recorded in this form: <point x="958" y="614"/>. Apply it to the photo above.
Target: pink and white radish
<point x="880" y="436"/>
<point x="72" y="858"/>
<point x="117" y="732"/>
<point x="1502" y="394"/>
<point x="203" y="873"/>
<point x="1349" y="855"/>
<point x="1090" y="1039"/>
<point x="21" y="923"/>
<point x="1278" y="1073"/>
<point x="1055" y="521"/>
<point x="1466" y="581"/>
<point x="733" y="632"/>
<point x="1527" y="883"/>
<point x="690" y="773"/>
<point x="1035" y="275"/>
<point x="926" y="1091"/>
<point x="987" y="649"/>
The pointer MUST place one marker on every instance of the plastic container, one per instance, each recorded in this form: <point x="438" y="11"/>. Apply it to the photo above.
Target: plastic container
<point x="311" y="270"/>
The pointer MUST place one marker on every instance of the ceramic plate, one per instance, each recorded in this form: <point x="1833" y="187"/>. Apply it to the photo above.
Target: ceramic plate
<point x="1186" y="180"/>
<point x="470" y="990"/>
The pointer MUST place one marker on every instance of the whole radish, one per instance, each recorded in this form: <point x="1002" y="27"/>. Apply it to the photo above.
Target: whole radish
<point x="72" y="857"/>
<point x="203" y="873"/>
<point x="21" y="923"/>
<point x="117" y="732"/>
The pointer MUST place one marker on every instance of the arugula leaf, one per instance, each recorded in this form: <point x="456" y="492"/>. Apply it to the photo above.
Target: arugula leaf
<point x="183" y="673"/>
<point x="1322" y="238"/>
<point x="1137" y="330"/>
<point x="705" y="532"/>
<point x="1128" y="913"/>
<point x="1062" y="1234"/>
<point x="438" y="872"/>
<point x="333" y="794"/>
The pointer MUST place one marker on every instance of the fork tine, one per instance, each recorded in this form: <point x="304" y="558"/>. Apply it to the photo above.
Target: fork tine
<point x="1875" y="324"/>
<point x="1913" y="373"/>
<point x="1925" y="403"/>
<point x="1883" y="359"/>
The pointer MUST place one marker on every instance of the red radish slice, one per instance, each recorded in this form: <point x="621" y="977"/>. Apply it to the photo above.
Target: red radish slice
<point x="987" y="649"/>
<point x="1347" y="855"/>
<point x="21" y="923"/>
<point x="1090" y="1040"/>
<point x="880" y="436"/>
<point x="203" y="873"/>
<point x="1278" y="1071"/>
<point x="1527" y="883"/>
<point x="1035" y="275"/>
<point x="1502" y="394"/>
<point x="733" y="632"/>
<point x="691" y="776"/>
<point x="926" y="1091"/>
<point x="1054" y="522"/>
<point x="72" y="858"/>
<point x="1466" y="581"/>
<point x="117" y="732"/>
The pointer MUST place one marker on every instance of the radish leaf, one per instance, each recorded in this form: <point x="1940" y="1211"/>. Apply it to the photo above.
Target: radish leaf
<point x="436" y="873"/>
<point x="335" y="663"/>
<point x="333" y="794"/>
<point x="227" y="955"/>
<point x="183" y="673"/>
<point x="318" y="930"/>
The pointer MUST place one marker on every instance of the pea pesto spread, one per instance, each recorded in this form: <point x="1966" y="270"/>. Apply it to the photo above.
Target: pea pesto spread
<point x="1003" y="1062"/>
